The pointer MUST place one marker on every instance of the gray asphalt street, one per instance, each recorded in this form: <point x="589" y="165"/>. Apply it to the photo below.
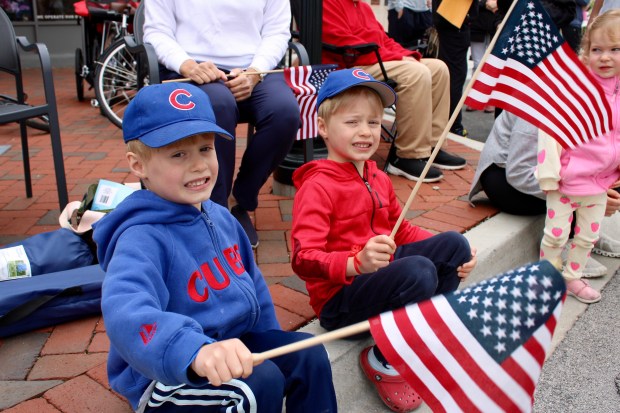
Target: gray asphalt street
<point x="583" y="373"/>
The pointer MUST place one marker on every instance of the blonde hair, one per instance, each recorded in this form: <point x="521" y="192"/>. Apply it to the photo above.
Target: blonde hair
<point x="609" y="22"/>
<point x="331" y="105"/>
<point x="141" y="150"/>
<point x="145" y="152"/>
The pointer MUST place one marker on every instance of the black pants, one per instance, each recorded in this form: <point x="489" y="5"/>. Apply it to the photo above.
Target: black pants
<point x="419" y="271"/>
<point x="453" y="46"/>
<point x="410" y="28"/>
<point x="505" y="197"/>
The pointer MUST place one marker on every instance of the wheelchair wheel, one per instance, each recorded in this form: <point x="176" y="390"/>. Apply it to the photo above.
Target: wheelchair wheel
<point x="79" y="79"/>
<point x="116" y="81"/>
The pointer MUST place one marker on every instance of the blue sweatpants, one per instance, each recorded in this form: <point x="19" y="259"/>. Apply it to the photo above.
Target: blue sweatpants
<point x="419" y="271"/>
<point x="304" y="377"/>
<point x="274" y="111"/>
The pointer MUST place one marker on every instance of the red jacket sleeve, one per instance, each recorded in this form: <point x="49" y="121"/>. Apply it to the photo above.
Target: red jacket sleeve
<point x="346" y="24"/>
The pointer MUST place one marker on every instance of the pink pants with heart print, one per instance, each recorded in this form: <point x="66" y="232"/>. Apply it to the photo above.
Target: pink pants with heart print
<point x="590" y="210"/>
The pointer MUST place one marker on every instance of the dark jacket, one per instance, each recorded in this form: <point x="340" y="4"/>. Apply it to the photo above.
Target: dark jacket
<point x="485" y="23"/>
<point x="562" y="12"/>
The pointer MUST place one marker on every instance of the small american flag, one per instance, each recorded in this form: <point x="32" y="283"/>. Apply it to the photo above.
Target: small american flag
<point x="533" y="73"/>
<point x="480" y="349"/>
<point x="305" y="81"/>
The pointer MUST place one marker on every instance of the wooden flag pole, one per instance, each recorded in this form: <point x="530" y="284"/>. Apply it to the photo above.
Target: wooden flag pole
<point x="365" y="325"/>
<point x="446" y="130"/>
<point x="265" y="72"/>
<point x="313" y="341"/>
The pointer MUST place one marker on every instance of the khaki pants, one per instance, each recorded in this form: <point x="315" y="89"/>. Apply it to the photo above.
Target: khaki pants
<point x="423" y="105"/>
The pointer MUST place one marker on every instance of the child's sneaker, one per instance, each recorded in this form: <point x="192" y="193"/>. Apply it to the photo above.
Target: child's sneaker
<point x="393" y="389"/>
<point x="581" y="290"/>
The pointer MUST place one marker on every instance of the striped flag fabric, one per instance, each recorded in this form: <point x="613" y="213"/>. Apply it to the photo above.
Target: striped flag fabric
<point x="305" y="81"/>
<point x="533" y="73"/>
<point x="480" y="349"/>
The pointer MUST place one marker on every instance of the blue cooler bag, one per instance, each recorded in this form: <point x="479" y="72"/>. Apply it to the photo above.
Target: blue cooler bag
<point x="49" y="299"/>
<point x="65" y="285"/>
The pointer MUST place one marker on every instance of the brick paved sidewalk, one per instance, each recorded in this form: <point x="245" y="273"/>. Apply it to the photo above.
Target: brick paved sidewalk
<point x="62" y="369"/>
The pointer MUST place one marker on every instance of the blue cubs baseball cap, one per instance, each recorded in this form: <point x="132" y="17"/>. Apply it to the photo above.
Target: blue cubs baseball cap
<point x="340" y="80"/>
<point x="164" y="113"/>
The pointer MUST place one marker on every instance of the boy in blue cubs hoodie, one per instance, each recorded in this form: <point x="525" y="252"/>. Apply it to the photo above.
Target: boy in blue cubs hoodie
<point x="184" y="303"/>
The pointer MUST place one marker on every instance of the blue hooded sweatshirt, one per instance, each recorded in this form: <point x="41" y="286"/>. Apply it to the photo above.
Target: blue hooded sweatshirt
<point x="176" y="279"/>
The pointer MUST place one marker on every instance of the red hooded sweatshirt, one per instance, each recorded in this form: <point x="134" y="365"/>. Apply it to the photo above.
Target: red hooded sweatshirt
<point x="335" y="212"/>
<point x="349" y="22"/>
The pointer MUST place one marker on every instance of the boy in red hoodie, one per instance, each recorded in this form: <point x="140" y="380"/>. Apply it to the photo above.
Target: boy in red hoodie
<point x="343" y="210"/>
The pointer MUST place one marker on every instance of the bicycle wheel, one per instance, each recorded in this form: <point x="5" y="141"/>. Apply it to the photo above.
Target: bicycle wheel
<point x="116" y="81"/>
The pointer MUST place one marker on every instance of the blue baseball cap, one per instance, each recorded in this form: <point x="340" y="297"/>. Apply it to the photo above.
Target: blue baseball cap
<point x="340" y="80"/>
<point x="164" y="113"/>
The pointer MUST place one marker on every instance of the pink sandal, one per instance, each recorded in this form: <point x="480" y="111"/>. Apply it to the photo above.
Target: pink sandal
<point x="393" y="390"/>
<point x="581" y="290"/>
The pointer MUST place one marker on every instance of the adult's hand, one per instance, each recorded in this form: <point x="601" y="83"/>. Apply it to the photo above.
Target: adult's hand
<point x="241" y="86"/>
<point x="613" y="202"/>
<point x="199" y="73"/>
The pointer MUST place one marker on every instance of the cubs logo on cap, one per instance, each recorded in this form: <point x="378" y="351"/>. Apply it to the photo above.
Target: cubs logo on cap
<point x="359" y="73"/>
<point x="174" y="100"/>
<point x="341" y="80"/>
<point x="164" y="113"/>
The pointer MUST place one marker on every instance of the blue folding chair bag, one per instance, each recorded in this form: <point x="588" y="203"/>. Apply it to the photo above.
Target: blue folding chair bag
<point x="49" y="299"/>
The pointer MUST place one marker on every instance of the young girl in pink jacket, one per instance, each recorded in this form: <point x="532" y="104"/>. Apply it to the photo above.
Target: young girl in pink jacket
<point x="576" y="180"/>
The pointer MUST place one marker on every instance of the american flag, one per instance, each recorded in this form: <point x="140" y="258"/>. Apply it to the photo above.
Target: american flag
<point x="305" y="81"/>
<point x="480" y="349"/>
<point x="533" y="73"/>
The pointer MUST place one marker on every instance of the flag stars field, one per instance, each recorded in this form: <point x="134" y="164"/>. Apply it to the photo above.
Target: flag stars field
<point x="506" y="297"/>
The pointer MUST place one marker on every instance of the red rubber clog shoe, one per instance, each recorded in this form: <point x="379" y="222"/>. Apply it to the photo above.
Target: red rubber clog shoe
<point x="393" y="390"/>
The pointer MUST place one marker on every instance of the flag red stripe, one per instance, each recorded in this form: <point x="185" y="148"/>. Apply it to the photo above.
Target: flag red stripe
<point x="551" y="324"/>
<point x="593" y="101"/>
<point x="297" y="79"/>
<point x="442" y="375"/>
<point x="385" y="344"/>
<point x="540" y="104"/>
<point x="564" y="100"/>
<point x="536" y="350"/>
<point x="469" y="364"/>
<point x="564" y="122"/>
<point x="558" y="61"/>
<point x="535" y="110"/>
<point x="519" y="375"/>
<point x="561" y="82"/>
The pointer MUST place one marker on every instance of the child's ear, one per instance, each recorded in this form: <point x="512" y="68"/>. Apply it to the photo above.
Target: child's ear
<point x="322" y="126"/>
<point x="136" y="165"/>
